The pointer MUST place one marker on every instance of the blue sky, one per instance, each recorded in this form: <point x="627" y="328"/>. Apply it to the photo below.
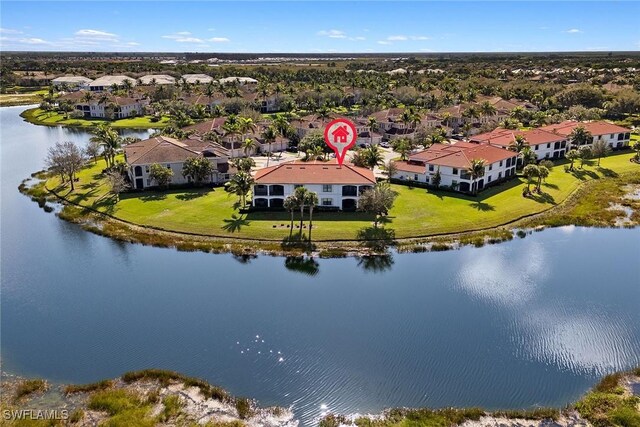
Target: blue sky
<point x="325" y="26"/>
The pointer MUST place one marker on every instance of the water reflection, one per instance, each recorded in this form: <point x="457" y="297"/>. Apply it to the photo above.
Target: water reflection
<point x="302" y="264"/>
<point x="376" y="263"/>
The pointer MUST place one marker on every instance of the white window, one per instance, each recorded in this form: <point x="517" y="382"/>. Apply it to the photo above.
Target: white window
<point x="327" y="202"/>
<point x="327" y="188"/>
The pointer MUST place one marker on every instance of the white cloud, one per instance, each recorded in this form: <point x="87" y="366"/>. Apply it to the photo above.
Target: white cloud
<point x="219" y="39"/>
<point x="397" y="38"/>
<point x="9" y="31"/>
<point x="402" y="38"/>
<point x="33" y="40"/>
<point x="420" y="38"/>
<point x="359" y="38"/>
<point x="95" y="33"/>
<point x="183" y="37"/>
<point x="573" y="31"/>
<point x="385" y="42"/>
<point x="132" y="44"/>
<point x="333" y="34"/>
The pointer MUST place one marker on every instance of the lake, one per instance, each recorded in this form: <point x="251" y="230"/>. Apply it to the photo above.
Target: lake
<point x="534" y="321"/>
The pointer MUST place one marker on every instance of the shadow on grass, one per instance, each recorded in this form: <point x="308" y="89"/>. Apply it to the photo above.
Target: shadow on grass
<point x="549" y="185"/>
<point x="189" y="196"/>
<point x="542" y="198"/>
<point x="607" y="173"/>
<point x="482" y="206"/>
<point x="584" y="174"/>
<point x="106" y="203"/>
<point x="235" y="223"/>
<point x="302" y="264"/>
<point x="153" y="197"/>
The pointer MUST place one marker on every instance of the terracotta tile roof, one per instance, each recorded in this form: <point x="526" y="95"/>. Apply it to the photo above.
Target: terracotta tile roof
<point x="163" y="149"/>
<point x="459" y="155"/>
<point x="315" y="172"/>
<point x="595" y="128"/>
<point x="388" y="115"/>
<point x="505" y="137"/>
<point x="207" y="126"/>
<point x="410" y="167"/>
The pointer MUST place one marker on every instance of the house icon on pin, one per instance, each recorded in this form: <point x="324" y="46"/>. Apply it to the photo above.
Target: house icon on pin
<point x="340" y="134"/>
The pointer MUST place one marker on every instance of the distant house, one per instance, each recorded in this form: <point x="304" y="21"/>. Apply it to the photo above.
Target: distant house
<point x="197" y="78"/>
<point x="172" y="154"/>
<point x="71" y="83"/>
<point x="617" y="137"/>
<point x="338" y="187"/>
<point x="157" y="79"/>
<point x="239" y="80"/>
<point x="453" y="161"/>
<point x="106" y="83"/>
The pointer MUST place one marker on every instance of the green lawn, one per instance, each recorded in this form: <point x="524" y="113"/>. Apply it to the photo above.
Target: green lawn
<point x="41" y="117"/>
<point x="417" y="212"/>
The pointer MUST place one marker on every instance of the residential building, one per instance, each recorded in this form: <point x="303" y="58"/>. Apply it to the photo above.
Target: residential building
<point x="106" y="105"/>
<point x="239" y="80"/>
<point x="71" y="83"/>
<point x="157" y="79"/>
<point x="617" y="137"/>
<point x="172" y="154"/>
<point x="546" y="145"/>
<point x="337" y="186"/>
<point x="106" y="83"/>
<point x="453" y="162"/>
<point x="197" y="78"/>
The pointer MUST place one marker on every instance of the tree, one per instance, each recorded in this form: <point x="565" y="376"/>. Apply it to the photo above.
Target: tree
<point x="372" y="156"/>
<point x="572" y="156"/>
<point x="160" y="174"/>
<point x="530" y="172"/>
<point x="372" y="125"/>
<point x="240" y="185"/>
<point x="543" y="173"/>
<point x="117" y="183"/>
<point x="390" y="169"/>
<point x="311" y="200"/>
<point x="92" y="150"/>
<point x="584" y="154"/>
<point x="300" y="193"/>
<point x="487" y="109"/>
<point x="528" y="156"/>
<point x="636" y="148"/>
<point x="291" y="204"/>
<point x="378" y="201"/>
<point x="580" y="136"/>
<point x="65" y="158"/>
<point x="248" y="146"/>
<point x="437" y="178"/>
<point x="269" y="135"/>
<point x="476" y="170"/>
<point x="402" y="146"/>
<point x="243" y="164"/>
<point x="197" y="168"/>
<point x="518" y="144"/>
<point x="109" y="140"/>
<point x="231" y="129"/>
<point x="600" y="149"/>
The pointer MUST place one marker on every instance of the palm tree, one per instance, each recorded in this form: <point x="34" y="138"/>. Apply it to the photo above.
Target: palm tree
<point x="245" y="126"/>
<point x="519" y="143"/>
<point x="291" y="204"/>
<point x="436" y="138"/>
<point x="487" y="109"/>
<point x="528" y="156"/>
<point x="390" y="169"/>
<point x="580" y="136"/>
<point x="543" y="173"/>
<point x="572" y="156"/>
<point x="281" y="124"/>
<point x="87" y="97"/>
<point x="269" y="134"/>
<point x="300" y="194"/>
<point x="372" y="125"/>
<point x="518" y="113"/>
<point x="372" y="156"/>
<point x="636" y="148"/>
<point x="248" y="145"/>
<point x="231" y="129"/>
<point x="311" y="199"/>
<point x="530" y="172"/>
<point x="240" y="184"/>
<point x="476" y="170"/>
<point x="109" y="140"/>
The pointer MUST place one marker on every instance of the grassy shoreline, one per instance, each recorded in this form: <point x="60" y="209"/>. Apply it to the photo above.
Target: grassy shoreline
<point x="149" y="217"/>
<point x="40" y="117"/>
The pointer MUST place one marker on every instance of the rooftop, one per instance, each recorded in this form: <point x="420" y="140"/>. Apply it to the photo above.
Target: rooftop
<point x="160" y="79"/>
<point x="197" y="78"/>
<point x="315" y="172"/>
<point x="110" y="80"/>
<point x="163" y="149"/>
<point x="461" y="154"/>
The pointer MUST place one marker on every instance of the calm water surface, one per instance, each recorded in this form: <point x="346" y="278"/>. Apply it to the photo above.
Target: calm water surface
<point x="530" y="322"/>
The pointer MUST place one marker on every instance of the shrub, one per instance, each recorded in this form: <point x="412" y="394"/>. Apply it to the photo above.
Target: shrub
<point x="243" y="406"/>
<point x="172" y="407"/>
<point x="609" y="384"/>
<point x="28" y="387"/>
<point x="137" y="417"/>
<point x="439" y="247"/>
<point x="626" y="417"/>
<point x="113" y="401"/>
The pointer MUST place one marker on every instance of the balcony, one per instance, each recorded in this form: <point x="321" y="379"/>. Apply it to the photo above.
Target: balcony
<point x="349" y="191"/>
<point x="260" y="190"/>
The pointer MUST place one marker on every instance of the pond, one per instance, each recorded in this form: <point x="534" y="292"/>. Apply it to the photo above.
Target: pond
<point x="534" y="321"/>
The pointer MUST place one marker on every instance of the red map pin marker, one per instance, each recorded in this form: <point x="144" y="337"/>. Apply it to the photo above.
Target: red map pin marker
<point x="340" y="135"/>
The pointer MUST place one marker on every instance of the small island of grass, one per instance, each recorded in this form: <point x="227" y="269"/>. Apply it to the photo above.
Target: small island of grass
<point x="39" y="116"/>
